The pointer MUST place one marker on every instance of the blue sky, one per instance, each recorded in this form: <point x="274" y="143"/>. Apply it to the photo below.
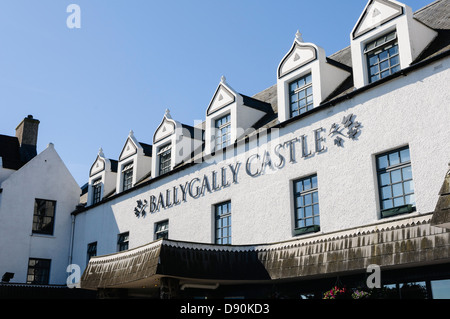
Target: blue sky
<point x="132" y="59"/>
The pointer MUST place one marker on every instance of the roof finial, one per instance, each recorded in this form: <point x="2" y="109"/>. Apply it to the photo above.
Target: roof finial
<point x="223" y="79"/>
<point x="298" y="36"/>
<point x="131" y="133"/>
<point x="100" y="152"/>
<point x="167" y="114"/>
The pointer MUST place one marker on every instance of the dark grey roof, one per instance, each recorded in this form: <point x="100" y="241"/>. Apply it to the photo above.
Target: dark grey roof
<point x="436" y="15"/>
<point x="148" y="149"/>
<point x="10" y="152"/>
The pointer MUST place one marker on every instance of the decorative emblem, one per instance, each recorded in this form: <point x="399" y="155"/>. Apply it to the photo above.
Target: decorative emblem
<point x="139" y="210"/>
<point x="348" y="123"/>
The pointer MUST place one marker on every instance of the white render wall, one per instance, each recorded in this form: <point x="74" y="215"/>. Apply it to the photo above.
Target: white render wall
<point x="45" y="177"/>
<point x="409" y="110"/>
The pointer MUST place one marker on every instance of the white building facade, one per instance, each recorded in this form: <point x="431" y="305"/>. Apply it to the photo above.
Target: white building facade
<point x="37" y="196"/>
<point x="336" y="167"/>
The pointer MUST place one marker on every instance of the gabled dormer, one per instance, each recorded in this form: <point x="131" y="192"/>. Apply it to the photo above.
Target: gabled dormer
<point x="305" y="78"/>
<point x="173" y="143"/>
<point x="229" y="116"/>
<point x="102" y="178"/>
<point x="135" y="163"/>
<point x="386" y="39"/>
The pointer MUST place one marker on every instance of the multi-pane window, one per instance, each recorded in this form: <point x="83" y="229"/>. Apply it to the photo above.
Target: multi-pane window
<point x="223" y="223"/>
<point x="301" y="95"/>
<point x="165" y="155"/>
<point x="97" y="190"/>
<point x="91" y="250"/>
<point x="396" y="186"/>
<point x="162" y="230"/>
<point x="44" y="216"/>
<point x="127" y="176"/>
<point x="38" y="271"/>
<point x="306" y="201"/>
<point x="382" y="56"/>
<point x="122" y="241"/>
<point x="223" y="132"/>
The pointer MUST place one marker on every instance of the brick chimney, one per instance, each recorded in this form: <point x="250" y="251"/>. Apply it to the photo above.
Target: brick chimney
<point x="26" y="133"/>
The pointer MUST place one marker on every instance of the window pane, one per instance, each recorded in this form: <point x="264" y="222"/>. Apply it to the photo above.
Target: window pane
<point x="308" y="211"/>
<point x="393" y="50"/>
<point x="384" y="65"/>
<point x="404" y="155"/>
<point x="396" y="176"/>
<point x="441" y="289"/>
<point x="399" y="201"/>
<point x="315" y="198"/>
<point x="309" y="221"/>
<point x="383" y="55"/>
<point x="382" y="162"/>
<point x="373" y="60"/>
<point x="386" y="192"/>
<point x="316" y="209"/>
<point x="407" y="173"/>
<point x="409" y="187"/>
<point x="307" y="184"/>
<point x="385" y="179"/>
<point x="395" y="60"/>
<point x="387" y="204"/>
<point x="308" y="199"/>
<point x="314" y="181"/>
<point x="409" y="200"/>
<point x="397" y="190"/>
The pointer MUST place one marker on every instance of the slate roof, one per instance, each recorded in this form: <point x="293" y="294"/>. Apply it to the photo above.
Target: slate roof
<point x="408" y="242"/>
<point x="10" y="152"/>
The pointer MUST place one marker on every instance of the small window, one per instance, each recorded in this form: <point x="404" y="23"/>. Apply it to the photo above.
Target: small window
<point x="127" y="175"/>
<point x="306" y="201"/>
<point x="38" y="271"/>
<point x="91" y="250"/>
<point x="223" y="223"/>
<point x="44" y="216"/>
<point x="382" y="57"/>
<point x="162" y="230"/>
<point x="122" y="241"/>
<point x="395" y="182"/>
<point x="301" y="95"/>
<point x="97" y="190"/>
<point x="165" y="156"/>
<point x="223" y="132"/>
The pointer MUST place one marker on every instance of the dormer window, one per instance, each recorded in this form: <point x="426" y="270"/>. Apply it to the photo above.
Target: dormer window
<point x="386" y="39"/>
<point x="223" y="131"/>
<point x="165" y="156"/>
<point x="127" y="176"/>
<point x="306" y="72"/>
<point x="230" y="116"/>
<point x="97" y="190"/>
<point x="301" y="95"/>
<point x="382" y="56"/>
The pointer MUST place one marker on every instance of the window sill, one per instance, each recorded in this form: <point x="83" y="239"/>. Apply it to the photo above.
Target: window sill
<point x="405" y="209"/>
<point x="306" y="230"/>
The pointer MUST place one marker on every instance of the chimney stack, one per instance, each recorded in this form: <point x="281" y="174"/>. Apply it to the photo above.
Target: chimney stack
<point x="26" y="133"/>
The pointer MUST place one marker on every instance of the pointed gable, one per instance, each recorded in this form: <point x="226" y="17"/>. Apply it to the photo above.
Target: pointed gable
<point x="299" y="55"/>
<point x="223" y="96"/>
<point x="129" y="149"/>
<point x="98" y="166"/>
<point x="376" y="13"/>
<point x="166" y="128"/>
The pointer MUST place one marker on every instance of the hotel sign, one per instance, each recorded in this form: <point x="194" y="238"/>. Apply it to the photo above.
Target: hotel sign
<point x="254" y="165"/>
